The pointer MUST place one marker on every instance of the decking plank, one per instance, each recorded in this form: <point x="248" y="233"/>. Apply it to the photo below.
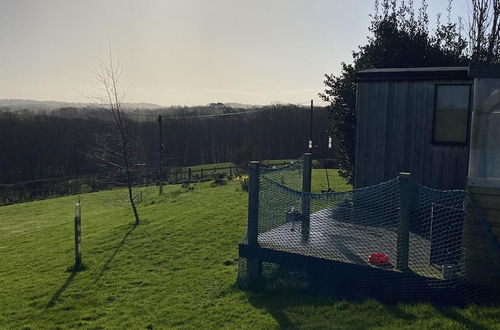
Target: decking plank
<point x="347" y="242"/>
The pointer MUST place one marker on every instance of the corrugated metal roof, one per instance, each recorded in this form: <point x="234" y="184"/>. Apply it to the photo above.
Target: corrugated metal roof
<point x="475" y="70"/>
<point x="423" y="73"/>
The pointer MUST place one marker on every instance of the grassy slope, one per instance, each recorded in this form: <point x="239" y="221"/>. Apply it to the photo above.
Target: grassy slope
<point x="177" y="269"/>
<point x="224" y="168"/>
<point x="223" y="165"/>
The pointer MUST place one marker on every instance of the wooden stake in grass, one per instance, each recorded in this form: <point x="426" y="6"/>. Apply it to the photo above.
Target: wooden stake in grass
<point x="78" y="236"/>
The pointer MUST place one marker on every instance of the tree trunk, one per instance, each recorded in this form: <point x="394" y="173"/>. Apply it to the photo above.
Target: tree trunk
<point x="132" y="204"/>
<point x="129" y="179"/>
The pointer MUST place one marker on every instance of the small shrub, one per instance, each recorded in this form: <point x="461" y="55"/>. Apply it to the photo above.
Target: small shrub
<point x="244" y="183"/>
<point x="219" y="178"/>
<point x="187" y="186"/>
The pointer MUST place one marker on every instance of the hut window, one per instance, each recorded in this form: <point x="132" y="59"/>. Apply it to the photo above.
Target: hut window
<point x="451" y="114"/>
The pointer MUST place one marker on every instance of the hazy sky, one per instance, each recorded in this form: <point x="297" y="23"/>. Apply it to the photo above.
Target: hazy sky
<point x="183" y="52"/>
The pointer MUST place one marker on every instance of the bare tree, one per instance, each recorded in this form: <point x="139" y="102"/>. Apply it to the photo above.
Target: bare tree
<point x="115" y="150"/>
<point x="484" y="31"/>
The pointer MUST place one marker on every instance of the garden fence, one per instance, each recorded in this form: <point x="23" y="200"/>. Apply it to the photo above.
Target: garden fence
<point x="397" y="240"/>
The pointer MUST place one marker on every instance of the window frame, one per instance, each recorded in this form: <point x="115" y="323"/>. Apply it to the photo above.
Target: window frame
<point x="469" y="114"/>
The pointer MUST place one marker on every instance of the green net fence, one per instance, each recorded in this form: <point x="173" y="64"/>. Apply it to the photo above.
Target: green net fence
<point x="396" y="241"/>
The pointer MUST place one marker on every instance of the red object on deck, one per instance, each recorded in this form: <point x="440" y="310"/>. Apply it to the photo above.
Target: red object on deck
<point x="378" y="259"/>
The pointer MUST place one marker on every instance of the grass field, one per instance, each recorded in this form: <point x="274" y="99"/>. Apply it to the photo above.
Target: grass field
<point x="224" y="167"/>
<point x="176" y="269"/>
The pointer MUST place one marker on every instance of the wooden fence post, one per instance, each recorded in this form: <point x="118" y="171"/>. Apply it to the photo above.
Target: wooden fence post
<point x="404" y="221"/>
<point x="201" y="174"/>
<point x="189" y="175"/>
<point x="254" y="265"/>
<point x="306" y="200"/>
<point x="78" y="237"/>
<point x="160" y="191"/>
<point x="230" y="170"/>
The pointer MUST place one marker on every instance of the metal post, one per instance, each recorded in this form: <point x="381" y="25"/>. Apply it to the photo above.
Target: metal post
<point x="230" y="170"/>
<point x="160" y="158"/>
<point x="310" y="144"/>
<point x="189" y="175"/>
<point x="404" y="221"/>
<point x="201" y="174"/>
<point x="306" y="201"/>
<point x="254" y="265"/>
<point x="78" y="237"/>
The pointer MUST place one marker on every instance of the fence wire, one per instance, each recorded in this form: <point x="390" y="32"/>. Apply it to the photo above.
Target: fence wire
<point x="351" y="244"/>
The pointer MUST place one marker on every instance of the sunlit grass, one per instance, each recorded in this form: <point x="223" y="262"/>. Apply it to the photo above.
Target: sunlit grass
<point x="176" y="269"/>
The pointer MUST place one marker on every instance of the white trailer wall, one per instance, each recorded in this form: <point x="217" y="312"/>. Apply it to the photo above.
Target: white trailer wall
<point x="484" y="162"/>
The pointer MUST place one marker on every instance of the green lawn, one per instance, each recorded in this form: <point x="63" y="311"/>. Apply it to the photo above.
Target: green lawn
<point x="221" y="168"/>
<point x="176" y="269"/>
<point x="210" y="167"/>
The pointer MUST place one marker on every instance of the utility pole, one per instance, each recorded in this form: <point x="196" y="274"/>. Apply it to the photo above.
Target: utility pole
<point x="326" y="168"/>
<point x="160" y="159"/>
<point x="310" y="145"/>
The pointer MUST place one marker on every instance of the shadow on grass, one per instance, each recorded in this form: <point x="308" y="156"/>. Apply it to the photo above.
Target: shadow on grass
<point x="452" y="314"/>
<point x="112" y="257"/>
<point x="60" y="291"/>
<point x="277" y="304"/>
<point x="399" y="313"/>
<point x="296" y="311"/>
<point x="282" y="304"/>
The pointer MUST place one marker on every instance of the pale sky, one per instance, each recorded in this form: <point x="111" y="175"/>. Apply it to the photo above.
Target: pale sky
<point x="182" y="52"/>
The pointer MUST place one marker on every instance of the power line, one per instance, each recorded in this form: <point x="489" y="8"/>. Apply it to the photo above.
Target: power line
<point x="147" y="115"/>
<point x="216" y="115"/>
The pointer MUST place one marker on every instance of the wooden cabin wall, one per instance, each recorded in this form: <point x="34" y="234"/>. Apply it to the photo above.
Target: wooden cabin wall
<point x="394" y="134"/>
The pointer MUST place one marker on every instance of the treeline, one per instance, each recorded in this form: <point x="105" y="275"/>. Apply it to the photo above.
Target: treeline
<point x="62" y="143"/>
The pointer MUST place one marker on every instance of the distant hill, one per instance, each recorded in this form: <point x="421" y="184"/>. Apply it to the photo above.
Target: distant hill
<point x="49" y="106"/>
<point x="242" y="105"/>
<point x="34" y="105"/>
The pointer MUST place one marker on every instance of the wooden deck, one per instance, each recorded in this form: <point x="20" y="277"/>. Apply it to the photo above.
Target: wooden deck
<point x="349" y="243"/>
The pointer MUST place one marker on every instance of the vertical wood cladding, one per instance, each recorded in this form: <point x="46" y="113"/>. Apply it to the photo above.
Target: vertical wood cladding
<point x="394" y="134"/>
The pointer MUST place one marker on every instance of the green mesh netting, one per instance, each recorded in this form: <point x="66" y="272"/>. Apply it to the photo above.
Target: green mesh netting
<point x="348" y="243"/>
